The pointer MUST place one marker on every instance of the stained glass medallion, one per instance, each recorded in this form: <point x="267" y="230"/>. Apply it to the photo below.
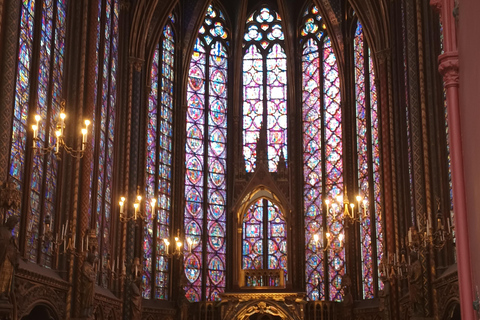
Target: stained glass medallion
<point x="205" y="177"/>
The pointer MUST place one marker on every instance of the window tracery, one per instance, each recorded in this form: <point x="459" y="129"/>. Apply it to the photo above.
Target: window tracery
<point x="205" y="161"/>
<point x="158" y="181"/>
<point x="264" y="88"/>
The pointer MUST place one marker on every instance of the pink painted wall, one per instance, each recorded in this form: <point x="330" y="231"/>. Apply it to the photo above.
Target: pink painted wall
<point x="469" y="100"/>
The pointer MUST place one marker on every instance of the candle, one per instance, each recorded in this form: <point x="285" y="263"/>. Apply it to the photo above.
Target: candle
<point x="84" y="138"/>
<point x="327" y="202"/>
<point x="409" y="235"/>
<point x="58" y="133"/>
<point x="87" y="241"/>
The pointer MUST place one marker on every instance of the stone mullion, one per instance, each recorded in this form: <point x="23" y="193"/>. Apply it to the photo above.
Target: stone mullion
<point x="8" y="63"/>
<point x="416" y="139"/>
<point x="381" y="82"/>
<point x="349" y="142"/>
<point x="87" y="90"/>
<point x="399" y="148"/>
<point x="135" y="76"/>
<point x="1" y="20"/>
<point x="388" y="119"/>
<point x="428" y="263"/>
<point x="124" y="118"/>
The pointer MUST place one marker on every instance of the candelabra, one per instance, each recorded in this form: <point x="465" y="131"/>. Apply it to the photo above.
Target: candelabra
<point x="330" y="245"/>
<point x="429" y="237"/>
<point x="59" y="134"/>
<point x="350" y="214"/>
<point x="177" y="252"/>
<point x="136" y="205"/>
<point x="391" y="268"/>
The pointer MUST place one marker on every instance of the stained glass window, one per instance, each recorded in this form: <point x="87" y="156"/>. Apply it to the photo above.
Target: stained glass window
<point x="205" y="160"/>
<point x="264" y="241"/>
<point x="159" y="167"/>
<point x="47" y="20"/>
<point x="103" y="128"/>
<point x="264" y="88"/>
<point x="322" y="160"/>
<point x="368" y="163"/>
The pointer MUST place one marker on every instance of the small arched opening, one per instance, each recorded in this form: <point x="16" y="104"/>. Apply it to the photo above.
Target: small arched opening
<point x="41" y="312"/>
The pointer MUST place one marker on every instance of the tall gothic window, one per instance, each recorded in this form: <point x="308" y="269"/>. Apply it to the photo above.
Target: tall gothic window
<point x="322" y="160"/>
<point x="38" y="91"/>
<point x="101" y="181"/>
<point x="264" y="88"/>
<point x="264" y="241"/>
<point x="368" y="163"/>
<point x="205" y="161"/>
<point x="159" y="167"/>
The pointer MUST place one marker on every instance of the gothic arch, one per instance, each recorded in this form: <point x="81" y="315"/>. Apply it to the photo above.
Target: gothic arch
<point x="142" y="18"/>
<point x="41" y="296"/>
<point x="374" y="17"/>
<point x="264" y="307"/>
<point x="258" y="191"/>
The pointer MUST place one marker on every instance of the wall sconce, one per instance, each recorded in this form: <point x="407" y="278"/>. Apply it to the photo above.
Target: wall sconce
<point x="59" y="134"/>
<point x="136" y="206"/>
<point x="177" y="252"/>
<point x="330" y="245"/>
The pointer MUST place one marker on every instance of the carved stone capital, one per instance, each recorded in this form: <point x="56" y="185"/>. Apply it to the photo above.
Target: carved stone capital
<point x="436" y="5"/>
<point x="137" y="63"/>
<point x="125" y="5"/>
<point x="383" y="55"/>
<point x="448" y="68"/>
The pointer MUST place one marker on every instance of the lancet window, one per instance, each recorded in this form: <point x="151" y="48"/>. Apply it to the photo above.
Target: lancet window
<point x="38" y="91"/>
<point x="322" y="160"/>
<point x="368" y="165"/>
<point x="264" y="241"/>
<point x="103" y="129"/>
<point x="158" y="182"/>
<point x="205" y="161"/>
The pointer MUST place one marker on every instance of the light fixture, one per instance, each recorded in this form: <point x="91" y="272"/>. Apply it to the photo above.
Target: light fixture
<point x="136" y="206"/>
<point x="59" y="137"/>
<point x="429" y="237"/>
<point x="351" y="213"/>
<point x="177" y="252"/>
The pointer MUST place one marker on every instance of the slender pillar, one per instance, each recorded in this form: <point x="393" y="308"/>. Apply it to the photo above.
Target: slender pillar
<point x="450" y="72"/>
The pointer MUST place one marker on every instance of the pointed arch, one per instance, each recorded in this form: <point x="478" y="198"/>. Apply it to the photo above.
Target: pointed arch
<point x="322" y="160"/>
<point x="158" y="181"/>
<point x="369" y="177"/>
<point x="205" y="160"/>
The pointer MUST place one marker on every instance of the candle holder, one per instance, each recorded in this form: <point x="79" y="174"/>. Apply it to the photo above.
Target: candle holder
<point x="138" y="214"/>
<point x="177" y="252"/>
<point x="330" y="245"/>
<point x="59" y="134"/>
